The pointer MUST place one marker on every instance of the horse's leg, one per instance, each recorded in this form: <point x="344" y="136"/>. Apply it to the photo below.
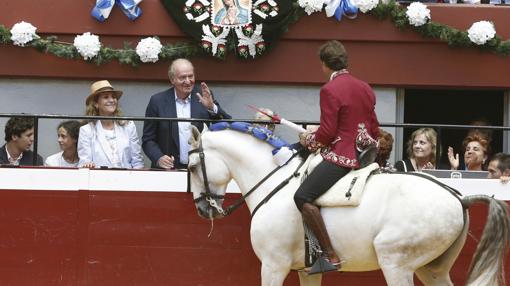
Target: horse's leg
<point x="272" y="276"/>
<point x="397" y="267"/>
<point x="397" y="276"/>
<point x="437" y="272"/>
<point x="309" y="280"/>
<point x="430" y="278"/>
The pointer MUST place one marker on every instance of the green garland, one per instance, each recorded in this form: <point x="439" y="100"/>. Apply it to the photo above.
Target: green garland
<point x="444" y="33"/>
<point x="127" y="55"/>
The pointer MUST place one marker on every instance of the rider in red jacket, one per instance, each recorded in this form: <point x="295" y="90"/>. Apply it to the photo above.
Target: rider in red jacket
<point x="348" y="125"/>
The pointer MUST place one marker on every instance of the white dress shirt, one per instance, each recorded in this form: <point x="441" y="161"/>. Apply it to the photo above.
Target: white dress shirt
<point x="14" y="161"/>
<point x="183" y="110"/>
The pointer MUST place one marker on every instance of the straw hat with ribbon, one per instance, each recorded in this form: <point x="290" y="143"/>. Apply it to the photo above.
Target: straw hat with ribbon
<point x="99" y="87"/>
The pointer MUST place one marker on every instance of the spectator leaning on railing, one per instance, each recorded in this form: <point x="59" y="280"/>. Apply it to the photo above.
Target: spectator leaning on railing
<point x="166" y="143"/>
<point x="499" y="167"/>
<point x="108" y="142"/>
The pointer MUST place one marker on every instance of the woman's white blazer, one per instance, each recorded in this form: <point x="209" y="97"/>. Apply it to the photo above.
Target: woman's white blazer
<point x="93" y="146"/>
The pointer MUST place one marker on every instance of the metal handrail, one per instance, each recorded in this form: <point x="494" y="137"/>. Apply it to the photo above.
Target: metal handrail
<point x="438" y="127"/>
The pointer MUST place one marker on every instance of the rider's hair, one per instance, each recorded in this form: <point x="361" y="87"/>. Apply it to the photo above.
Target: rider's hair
<point x="333" y="55"/>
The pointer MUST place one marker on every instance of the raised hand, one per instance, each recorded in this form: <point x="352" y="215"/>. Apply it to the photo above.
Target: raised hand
<point x="206" y="97"/>
<point x="453" y="158"/>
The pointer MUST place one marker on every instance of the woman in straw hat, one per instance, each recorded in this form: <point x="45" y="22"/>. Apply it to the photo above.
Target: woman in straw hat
<point x="105" y="142"/>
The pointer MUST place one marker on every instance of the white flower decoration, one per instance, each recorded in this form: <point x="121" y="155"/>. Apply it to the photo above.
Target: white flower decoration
<point x="311" y="6"/>
<point x="481" y="32"/>
<point x="418" y="14"/>
<point x="87" y="44"/>
<point x="148" y="49"/>
<point x="365" y="5"/>
<point x="22" y="33"/>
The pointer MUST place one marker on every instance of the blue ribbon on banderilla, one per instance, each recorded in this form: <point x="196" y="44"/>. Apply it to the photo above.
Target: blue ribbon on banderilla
<point x="103" y="8"/>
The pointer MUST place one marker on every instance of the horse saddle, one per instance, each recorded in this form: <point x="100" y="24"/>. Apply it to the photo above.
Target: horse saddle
<point x="347" y="191"/>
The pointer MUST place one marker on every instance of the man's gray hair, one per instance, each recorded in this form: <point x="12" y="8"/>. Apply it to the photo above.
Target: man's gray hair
<point x="171" y="68"/>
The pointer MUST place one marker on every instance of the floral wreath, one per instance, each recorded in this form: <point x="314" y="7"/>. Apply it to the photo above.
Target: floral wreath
<point x="248" y="32"/>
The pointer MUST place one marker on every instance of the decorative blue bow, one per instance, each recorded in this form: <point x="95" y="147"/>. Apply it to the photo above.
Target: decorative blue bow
<point x="340" y="8"/>
<point x="103" y="8"/>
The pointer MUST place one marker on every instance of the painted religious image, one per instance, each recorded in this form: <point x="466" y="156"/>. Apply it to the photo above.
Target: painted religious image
<point x="231" y="12"/>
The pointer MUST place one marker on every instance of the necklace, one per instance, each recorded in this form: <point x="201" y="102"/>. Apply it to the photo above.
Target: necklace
<point x="111" y="139"/>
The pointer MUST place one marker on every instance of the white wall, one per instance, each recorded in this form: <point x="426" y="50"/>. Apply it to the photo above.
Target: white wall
<point x="68" y="97"/>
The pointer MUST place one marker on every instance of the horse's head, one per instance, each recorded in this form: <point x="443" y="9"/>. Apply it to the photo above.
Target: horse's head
<point x="209" y="177"/>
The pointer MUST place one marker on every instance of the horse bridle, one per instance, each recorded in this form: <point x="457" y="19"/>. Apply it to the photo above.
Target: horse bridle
<point x="211" y="197"/>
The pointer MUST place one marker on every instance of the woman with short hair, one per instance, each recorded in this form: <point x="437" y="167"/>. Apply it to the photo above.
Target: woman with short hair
<point x="476" y="152"/>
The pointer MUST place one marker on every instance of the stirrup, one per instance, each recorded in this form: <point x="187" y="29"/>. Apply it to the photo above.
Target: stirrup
<point x="322" y="265"/>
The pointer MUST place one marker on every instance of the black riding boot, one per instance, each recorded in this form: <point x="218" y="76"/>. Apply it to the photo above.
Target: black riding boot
<point x="313" y="219"/>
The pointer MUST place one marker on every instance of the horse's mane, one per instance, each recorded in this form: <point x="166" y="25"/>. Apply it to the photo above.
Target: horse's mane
<point x="259" y="132"/>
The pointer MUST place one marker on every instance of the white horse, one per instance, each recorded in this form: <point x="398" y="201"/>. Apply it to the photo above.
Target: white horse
<point x="405" y="224"/>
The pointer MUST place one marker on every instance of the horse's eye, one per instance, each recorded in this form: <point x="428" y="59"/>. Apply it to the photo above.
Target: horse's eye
<point x="192" y="168"/>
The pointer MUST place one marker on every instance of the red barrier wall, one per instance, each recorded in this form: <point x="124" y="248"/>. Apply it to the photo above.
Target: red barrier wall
<point x="142" y="238"/>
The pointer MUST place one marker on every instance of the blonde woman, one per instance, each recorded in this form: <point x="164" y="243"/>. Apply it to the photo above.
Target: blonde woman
<point x="421" y="151"/>
<point x="108" y="142"/>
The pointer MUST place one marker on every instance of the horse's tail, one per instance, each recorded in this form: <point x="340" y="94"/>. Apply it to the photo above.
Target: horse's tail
<point x="487" y="266"/>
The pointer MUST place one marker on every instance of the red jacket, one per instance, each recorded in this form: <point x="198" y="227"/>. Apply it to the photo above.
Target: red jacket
<point x="348" y="120"/>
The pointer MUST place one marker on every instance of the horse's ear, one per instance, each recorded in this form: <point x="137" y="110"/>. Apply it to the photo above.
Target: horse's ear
<point x="194" y="139"/>
<point x="206" y="128"/>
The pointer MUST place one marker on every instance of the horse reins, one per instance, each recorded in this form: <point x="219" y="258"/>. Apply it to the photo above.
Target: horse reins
<point x="210" y="197"/>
